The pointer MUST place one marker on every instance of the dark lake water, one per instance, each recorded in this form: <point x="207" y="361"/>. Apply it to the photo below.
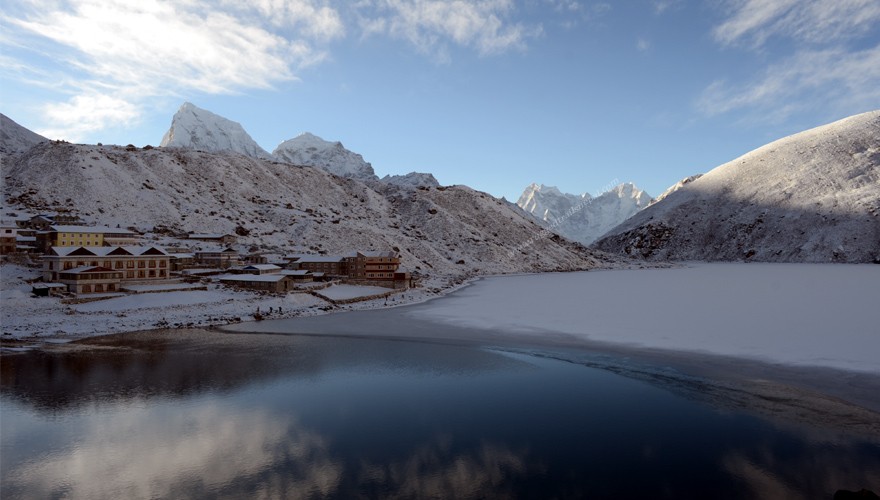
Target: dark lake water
<point x="189" y="414"/>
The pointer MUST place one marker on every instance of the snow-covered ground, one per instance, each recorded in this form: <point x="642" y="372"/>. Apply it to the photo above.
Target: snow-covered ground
<point x="798" y="314"/>
<point x="47" y="318"/>
<point x="345" y="292"/>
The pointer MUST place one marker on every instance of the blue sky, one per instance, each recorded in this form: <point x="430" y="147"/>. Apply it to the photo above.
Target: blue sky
<point x="494" y="94"/>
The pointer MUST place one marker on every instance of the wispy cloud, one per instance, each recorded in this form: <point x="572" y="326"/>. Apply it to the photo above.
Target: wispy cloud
<point x="829" y="71"/>
<point x="815" y="21"/>
<point x="833" y="78"/>
<point x="431" y="25"/>
<point x="120" y="53"/>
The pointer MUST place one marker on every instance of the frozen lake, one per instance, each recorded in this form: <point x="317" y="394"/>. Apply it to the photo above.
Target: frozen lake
<point x="494" y="391"/>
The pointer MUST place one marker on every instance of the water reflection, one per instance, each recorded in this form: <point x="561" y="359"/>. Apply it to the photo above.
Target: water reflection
<point x="230" y="416"/>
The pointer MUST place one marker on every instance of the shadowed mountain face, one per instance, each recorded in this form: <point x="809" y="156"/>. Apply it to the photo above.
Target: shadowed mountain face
<point x="810" y="197"/>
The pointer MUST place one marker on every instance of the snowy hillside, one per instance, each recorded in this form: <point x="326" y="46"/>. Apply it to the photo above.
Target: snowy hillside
<point x="196" y="128"/>
<point x="312" y="151"/>
<point x="412" y="180"/>
<point x="810" y="197"/>
<point x="582" y="218"/>
<point x="282" y="208"/>
<point x="14" y="138"/>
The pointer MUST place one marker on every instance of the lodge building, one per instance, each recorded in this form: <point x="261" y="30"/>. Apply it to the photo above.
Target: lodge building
<point x="134" y="263"/>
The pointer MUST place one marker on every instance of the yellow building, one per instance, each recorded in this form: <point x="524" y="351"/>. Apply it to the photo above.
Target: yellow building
<point x="84" y="236"/>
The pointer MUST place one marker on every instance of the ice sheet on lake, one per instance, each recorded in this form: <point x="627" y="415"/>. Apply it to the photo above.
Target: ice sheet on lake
<point x="802" y="314"/>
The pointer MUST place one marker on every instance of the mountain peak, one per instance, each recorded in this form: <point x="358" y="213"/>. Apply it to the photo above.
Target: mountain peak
<point x="581" y="217"/>
<point x="309" y="150"/>
<point x="196" y="128"/>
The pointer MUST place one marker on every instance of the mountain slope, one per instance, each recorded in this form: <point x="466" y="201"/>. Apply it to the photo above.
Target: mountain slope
<point x="196" y="128"/>
<point x="810" y="197"/>
<point x="453" y="231"/>
<point x="312" y="151"/>
<point x="582" y="218"/>
<point x="14" y="138"/>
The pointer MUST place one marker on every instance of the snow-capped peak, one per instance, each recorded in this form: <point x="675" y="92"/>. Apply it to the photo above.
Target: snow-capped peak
<point x="196" y="128"/>
<point x="581" y="217"/>
<point x="310" y="150"/>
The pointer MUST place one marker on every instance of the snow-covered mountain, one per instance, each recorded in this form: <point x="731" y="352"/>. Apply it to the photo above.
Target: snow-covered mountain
<point x="810" y="197"/>
<point x="582" y="218"/>
<point x="310" y="150"/>
<point x="14" y="138"/>
<point x="278" y="207"/>
<point x="196" y="128"/>
<point x="411" y="180"/>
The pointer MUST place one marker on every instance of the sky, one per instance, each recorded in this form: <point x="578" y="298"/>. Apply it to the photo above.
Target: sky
<point x="494" y="94"/>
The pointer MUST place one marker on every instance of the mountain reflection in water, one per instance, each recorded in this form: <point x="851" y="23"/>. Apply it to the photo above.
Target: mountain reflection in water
<point x="193" y="414"/>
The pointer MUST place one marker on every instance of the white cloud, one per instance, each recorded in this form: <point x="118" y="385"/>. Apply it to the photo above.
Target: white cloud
<point x="643" y="44"/>
<point x="431" y="25"/>
<point x="121" y="53"/>
<point x="821" y="79"/>
<point x="84" y="114"/>
<point x="813" y="21"/>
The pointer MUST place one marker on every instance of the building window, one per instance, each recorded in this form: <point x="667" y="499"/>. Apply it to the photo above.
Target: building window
<point x="107" y="264"/>
<point x="129" y="274"/>
<point x="141" y="274"/>
<point x="130" y="264"/>
<point x="51" y="265"/>
<point x="99" y="288"/>
<point x="111" y="287"/>
<point x="161" y="273"/>
<point x="163" y="263"/>
<point x="119" y="264"/>
<point x="152" y="263"/>
<point x="87" y="288"/>
<point x="142" y="264"/>
<point x="152" y="273"/>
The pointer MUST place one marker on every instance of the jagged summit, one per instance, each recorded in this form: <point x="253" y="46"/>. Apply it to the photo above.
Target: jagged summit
<point x="411" y="180"/>
<point x="196" y="128"/>
<point x="310" y="150"/>
<point x="16" y="139"/>
<point x="809" y="197"/>
<point x="582" y="217"/>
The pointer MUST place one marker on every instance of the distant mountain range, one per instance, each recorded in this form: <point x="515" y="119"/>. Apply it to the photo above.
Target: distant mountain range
<point x="200" y="129"/>
<point x="810" y="197"/>
<point x="582" y="218"/>
<point x="210" y="177"/>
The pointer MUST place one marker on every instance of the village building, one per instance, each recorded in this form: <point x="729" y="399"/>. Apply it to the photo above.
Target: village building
<point x="219" y="239"/>
<point x="8" y="238"/>
<point x="361" y="265"/>
<point x="136" y="263"/>
<point x="331" y="265"/>
<point x="275" y="283"/>
<point x="260" y="269"/>
<point x="374" y="266"/>
<point x="256" y="258"/>
<point x="90" y="279"/>
<point x="301" y="275"/>
<point x="84" y="236"/>
<point x="222" y="258"/>
<point x="44" y="221"/>
<point x="181" y="261"/>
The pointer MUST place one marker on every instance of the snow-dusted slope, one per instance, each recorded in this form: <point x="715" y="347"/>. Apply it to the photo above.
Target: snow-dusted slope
<point x="312" y="151"/>
<point x="453" y="231"/>
<point x="14" y="138"/>
<point x="582" y="218"/>
<point x="411" y="180"/>
<point x="196" y="128"/>
<point x="810" y="197"/>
